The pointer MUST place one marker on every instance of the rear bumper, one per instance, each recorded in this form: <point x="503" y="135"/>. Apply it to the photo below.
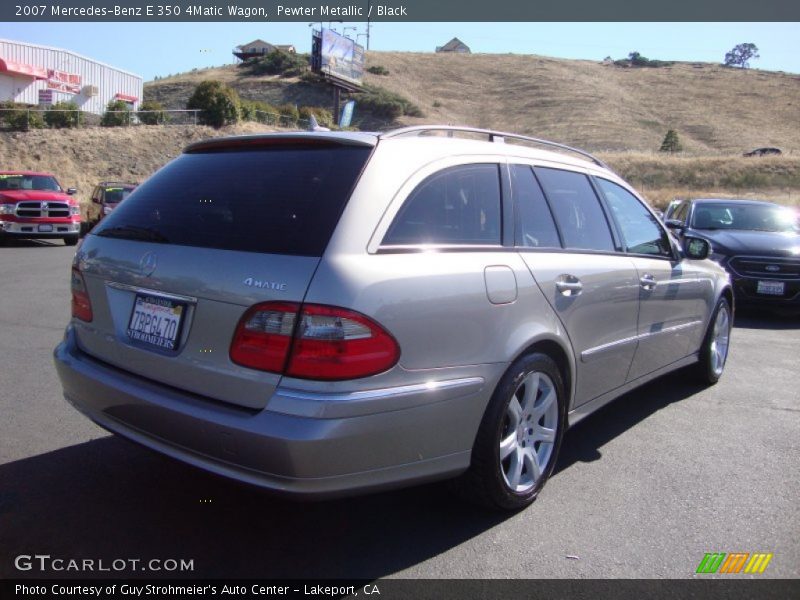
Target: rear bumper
<point x="303" y="456"/>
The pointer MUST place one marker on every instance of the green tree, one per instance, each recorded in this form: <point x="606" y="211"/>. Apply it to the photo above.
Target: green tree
<point x="741" y="55"/>
<point x="117" y="114"/>
<point x="64" y="114"/>
<point x="671" y="142"/>
<point x="152" y="113"/>
<point x="218" y="104"/>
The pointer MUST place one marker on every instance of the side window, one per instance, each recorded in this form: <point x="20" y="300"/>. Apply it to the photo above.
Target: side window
<point x="459" y="205"/>
<point x="535" y="227"/>
<point x="577" y="209"/>
<point x="639" y="228"/>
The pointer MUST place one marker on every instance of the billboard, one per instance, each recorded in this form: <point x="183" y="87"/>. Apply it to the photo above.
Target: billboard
<point x="337" y="57"/>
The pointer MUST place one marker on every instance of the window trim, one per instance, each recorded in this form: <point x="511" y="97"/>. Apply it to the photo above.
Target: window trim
<point x="517" y="213"/>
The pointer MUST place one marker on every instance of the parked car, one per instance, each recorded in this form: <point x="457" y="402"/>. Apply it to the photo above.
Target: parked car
<point x="322" y="314"/>
<point x="757" y="242"/>
<point x="33" y="205"/>
<point x="764" y="152"/>
<point x="105" y="198"/>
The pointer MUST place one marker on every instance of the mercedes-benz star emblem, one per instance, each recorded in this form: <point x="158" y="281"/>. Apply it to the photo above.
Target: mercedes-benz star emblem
<point x="148" y="263"/>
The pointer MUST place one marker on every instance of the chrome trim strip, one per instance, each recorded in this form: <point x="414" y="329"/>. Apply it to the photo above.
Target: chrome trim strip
<point x="383" y="393"/>
<point x="140" y="290"/>
<point x="664" y="282"/>
<point x="591" y="353"/>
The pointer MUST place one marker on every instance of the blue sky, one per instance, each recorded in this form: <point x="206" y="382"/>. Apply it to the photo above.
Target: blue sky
<point x="151" y="49"/>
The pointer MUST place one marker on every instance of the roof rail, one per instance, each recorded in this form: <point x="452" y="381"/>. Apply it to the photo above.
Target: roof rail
<point x="493" y="136"/>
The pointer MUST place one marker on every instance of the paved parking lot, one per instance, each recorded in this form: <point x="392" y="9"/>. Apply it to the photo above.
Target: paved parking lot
<point x="643" y="488"/>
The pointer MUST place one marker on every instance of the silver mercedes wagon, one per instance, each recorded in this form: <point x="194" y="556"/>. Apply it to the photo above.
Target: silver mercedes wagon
<point x="321" y="314"/>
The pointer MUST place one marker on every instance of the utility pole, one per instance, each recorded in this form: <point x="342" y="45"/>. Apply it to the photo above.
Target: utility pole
<point x="369" y="9"/>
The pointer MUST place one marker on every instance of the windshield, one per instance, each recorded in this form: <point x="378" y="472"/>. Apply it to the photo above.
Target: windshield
<point x="115" y="195"/>
<point x="29" y="182"/>
<point x="748" y="217"/>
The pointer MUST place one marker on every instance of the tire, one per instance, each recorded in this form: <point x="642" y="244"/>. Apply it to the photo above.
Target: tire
<point x="71" y="240"/>
<point x="716" y="344"/>
<point x="503" y="472"/>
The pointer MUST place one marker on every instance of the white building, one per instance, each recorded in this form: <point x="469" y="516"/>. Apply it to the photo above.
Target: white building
<point x="34" y="74"/>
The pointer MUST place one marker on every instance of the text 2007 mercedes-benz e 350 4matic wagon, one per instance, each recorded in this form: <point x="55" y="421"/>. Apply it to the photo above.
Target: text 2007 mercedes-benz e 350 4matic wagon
<point x="330" y="313"/>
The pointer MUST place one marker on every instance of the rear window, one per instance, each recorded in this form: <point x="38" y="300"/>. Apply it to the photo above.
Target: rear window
<point x="276" y="199"/>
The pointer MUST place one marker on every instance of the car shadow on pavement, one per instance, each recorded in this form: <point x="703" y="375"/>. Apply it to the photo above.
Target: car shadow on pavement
<point x="38" y="243"/>
<point x="750" y="318"/>
<point x="110" y="499"/>
<point x="582" y="442"/>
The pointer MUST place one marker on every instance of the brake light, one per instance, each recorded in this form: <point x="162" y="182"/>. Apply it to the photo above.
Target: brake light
<point x="317" y="342"/>
<point x="81" y="304"/>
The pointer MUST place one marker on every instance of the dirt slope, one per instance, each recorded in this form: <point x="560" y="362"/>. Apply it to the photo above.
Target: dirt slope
<point x="597" y="106"/>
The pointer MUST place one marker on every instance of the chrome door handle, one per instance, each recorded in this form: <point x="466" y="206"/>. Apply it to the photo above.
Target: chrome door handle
<point x="569" y="285"/>
<point x="648" y="282"/>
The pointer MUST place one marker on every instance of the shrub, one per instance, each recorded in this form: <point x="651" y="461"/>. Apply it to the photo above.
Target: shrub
<point x="383" y="103"/>
<point x="277" y="62"/>
<point x="637" y="60"/>
<point x="289" y="115"/>
<point x="152" y="113"/>
<point x="117" y="114"/>
<point x="22" y="116"/>
<point x="378" y="70"/>
<point x="261" y="112"/>
<point x="63" y="115"/>
<point x="671" y="142"/>
<point x="218" y="104"/>
<point x="323" y="116"/>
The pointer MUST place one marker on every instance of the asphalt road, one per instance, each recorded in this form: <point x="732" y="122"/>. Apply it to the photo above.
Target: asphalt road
<point x="643" y="488"/>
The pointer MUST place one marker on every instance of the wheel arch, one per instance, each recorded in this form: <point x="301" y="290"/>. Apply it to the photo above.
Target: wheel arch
<point x="561" y="356"/>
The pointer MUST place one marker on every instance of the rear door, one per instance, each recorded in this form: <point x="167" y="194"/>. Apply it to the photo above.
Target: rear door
<point x="671" y="297"/>
<point x="173" y="269"/>
<point x="564" y="237"/>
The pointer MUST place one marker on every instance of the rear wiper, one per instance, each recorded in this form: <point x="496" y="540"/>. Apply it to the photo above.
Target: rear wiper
<point x="132" y="232"/>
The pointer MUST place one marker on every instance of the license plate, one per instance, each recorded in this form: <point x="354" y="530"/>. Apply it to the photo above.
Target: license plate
<point x="771" y="288"/>
<point x="156" y="321"/>
<point x="45" y="228"/>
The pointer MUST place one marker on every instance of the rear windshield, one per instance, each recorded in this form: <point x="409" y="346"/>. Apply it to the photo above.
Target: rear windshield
<point x="277" y="200"/>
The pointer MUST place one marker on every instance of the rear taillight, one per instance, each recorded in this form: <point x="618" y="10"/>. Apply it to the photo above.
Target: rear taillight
<point x="81" y="304"/>
<point x="317" y="342"/>
<point x="264" y="335"/>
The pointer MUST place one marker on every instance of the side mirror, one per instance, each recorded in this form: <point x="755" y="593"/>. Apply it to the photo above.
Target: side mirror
<point x="675" y="224"/>
<point x="72" y="191"/>
<point x="696" y="248"/>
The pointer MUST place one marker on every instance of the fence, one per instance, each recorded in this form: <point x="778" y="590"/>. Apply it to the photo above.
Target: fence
<point x="25" y="119"/>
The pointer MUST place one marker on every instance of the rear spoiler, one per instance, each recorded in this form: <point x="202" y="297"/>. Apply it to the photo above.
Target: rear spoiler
<point x="312" y="139"/>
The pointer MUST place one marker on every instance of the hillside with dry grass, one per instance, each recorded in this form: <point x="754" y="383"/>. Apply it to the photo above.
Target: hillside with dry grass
<point x="597" y="106"/>
<point x="620" y="113"/>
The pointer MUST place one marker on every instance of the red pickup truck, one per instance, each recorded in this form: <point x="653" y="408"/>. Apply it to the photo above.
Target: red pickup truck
<point x="33" y="205"/>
